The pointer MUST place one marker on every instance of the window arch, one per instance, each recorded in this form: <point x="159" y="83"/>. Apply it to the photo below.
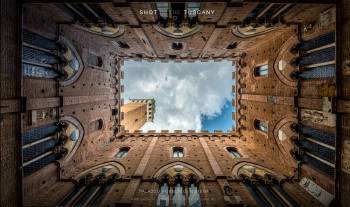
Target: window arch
<point x="178" y="192"/>
<point x="122" y="152"/>
<point x="261" y="70"/>
<point x="233" y="152"/>
<point x="178" y="152"/>
<point x="163" y="196"/>
<point x="98" y="179"/>
<point x="252" y="31"/>
<point x="103" y="29"/>
<point x="73" y="66"/>
<point x="173" y="22"/>
<point x="194" y="197"/>
<point x="265" y="193"/>
<point x="71" y="135"/>
<point x="261" y="125"/>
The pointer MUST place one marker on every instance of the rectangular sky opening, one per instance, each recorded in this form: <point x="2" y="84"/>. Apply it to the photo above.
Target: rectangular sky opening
<point x="186" y="96"/>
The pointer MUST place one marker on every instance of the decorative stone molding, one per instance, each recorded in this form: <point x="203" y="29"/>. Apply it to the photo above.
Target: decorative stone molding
<point x="106" y="31"/>
<point x="190" y="168"/>
<point x="115" y="166"/>
<point x="189" y="31"/>
<point x="243" y="31"/>
<point x="262" y="171"/>
<point x="73" y="52"/>
<point x="71" y="144"/>
<point x="282" y="64"/>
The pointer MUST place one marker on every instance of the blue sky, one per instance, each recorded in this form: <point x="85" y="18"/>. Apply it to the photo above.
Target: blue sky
<point x="222" y="121"/>
<point x="189" y="96"/>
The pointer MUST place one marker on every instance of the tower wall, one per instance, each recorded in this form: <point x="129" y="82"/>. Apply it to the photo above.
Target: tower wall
<point x="135" y="116"/>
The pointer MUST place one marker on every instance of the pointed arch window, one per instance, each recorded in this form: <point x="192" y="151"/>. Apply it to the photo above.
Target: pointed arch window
<point x="163" y="196"/>
<point x="194" y="197"/>
<point x="178" y="152"/>
<point x="92" y="186"/>
<point x="73" y="67"/>
<point x="261" y="126"/>
<point x="233" y="152"/>
<point x="122" y="152"/>
<point x="178" y="196"/>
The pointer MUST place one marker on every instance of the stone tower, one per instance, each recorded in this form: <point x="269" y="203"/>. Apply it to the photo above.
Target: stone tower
<point x="137" y="112"/>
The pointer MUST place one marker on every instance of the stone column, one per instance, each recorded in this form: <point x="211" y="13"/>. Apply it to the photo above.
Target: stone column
<point x="171" y="191"/>
<point x="186" y="191"/>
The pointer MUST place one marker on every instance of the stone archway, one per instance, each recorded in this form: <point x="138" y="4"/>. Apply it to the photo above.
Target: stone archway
<point x="282" y="66"/>
<point x="163" y="169"/>
<point x="72" y="135"/>
<point x="118" y="168"/>
<point x="282" y="134"/>
<point x="237" y="170"/>
<point x="74" y="67"/>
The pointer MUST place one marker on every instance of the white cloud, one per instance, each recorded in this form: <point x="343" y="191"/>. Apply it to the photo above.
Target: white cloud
<point x="183" y="91"/>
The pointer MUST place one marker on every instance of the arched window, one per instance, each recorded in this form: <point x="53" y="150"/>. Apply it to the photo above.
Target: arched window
<point x="73" y="67"/>
<point x="179" y="195"/>
<point x="163" y="196"/>
<point x="178" y="152"/>
<point x="122" y="152"/>
<point x="92" y="186"/>
<point x="233" y="152"/>
<point x="262" y="70"/>
<point x="107" y="31"/>
<point x="194" y="197"/>
<point x="264" y="193"/>
<point x="261" y="125"/>
<point x="250" y="31"/>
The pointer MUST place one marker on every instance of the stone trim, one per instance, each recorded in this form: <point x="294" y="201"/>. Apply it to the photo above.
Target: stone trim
<point x="164" y="168"/>
<point x="143" y="163"/>
<point x="212" y="161"/>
